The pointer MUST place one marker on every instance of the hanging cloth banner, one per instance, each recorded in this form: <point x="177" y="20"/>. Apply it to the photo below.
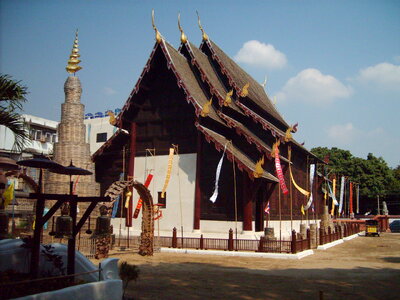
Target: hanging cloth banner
<point x="358" y="199"/>
<point x="332" y="195"/>
<point x="310" y="200"/>
<point x="140" y="202"/>
<point x="341" y="194"/>
<point x="214" y="196"/>
<point x="301" y="190"/>
<point x="169" y="169"/>
<point x="351" y="198"/>
<point x="116" y="203"/>
<point x="279" y="172"/>
<point x="8" y="195"/>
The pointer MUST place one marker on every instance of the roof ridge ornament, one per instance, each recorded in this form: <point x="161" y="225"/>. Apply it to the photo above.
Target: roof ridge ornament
<point x="258" y="170"/>
<point x="206" y="108"/>
<point x="245" y="90"/>
<point x="204" y="35"/>
<point x="228" y="99"/>
<point x="183" y="36"/>
<point x="265" y="82"/>
<point x="158" y="35"/>
<point x="73" y="61"/>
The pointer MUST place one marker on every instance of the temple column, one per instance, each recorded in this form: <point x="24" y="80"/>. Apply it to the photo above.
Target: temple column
<point x="247" y="203"/>
<point x="131" y="168"/>
<point x="198" y="193"/>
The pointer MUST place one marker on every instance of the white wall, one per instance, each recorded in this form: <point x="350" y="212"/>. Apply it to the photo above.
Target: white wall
<point x="95" y="126"/>
<point x="176" y="201"/>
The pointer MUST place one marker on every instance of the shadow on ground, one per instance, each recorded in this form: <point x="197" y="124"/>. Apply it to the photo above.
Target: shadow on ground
<point x="209" y="281"/>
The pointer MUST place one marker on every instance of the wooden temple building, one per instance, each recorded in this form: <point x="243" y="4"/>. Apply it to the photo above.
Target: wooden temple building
<point x="199" y="101"/>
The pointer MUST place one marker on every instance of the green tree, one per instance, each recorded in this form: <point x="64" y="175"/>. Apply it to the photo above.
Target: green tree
<point x="372" y="174"/>
<point x="12" y="96"/>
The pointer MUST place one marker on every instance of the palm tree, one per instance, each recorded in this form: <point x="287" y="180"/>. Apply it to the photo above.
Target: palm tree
<point x="12" y="96"/>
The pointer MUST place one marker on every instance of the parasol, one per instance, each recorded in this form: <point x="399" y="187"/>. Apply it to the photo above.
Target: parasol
<point x="39" y="162"/>
<point x="7" y="164"/>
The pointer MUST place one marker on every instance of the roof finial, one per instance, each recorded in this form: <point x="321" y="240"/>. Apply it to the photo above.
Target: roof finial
<point x="73" y="61"/>
<point x="204" y="35"/>
<point x="265" y="82"/>
<point x="183" y="36"/>
<point x="158" y="35"/>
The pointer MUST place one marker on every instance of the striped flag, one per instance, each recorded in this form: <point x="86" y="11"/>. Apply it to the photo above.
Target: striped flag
<point x="267" y="208"/>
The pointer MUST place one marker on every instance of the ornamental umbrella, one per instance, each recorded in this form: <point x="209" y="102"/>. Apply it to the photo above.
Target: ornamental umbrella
<point x="70" y="170"/>
<point x="7" y="164"/>
<point x="39" y="162"/>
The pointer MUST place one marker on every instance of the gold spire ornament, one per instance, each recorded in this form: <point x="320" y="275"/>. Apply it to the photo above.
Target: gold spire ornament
<point x="228" y="99"/>
<point x="258" y="170"/>
<point x="245" y="90"/>
<point x="204" y="35"/>
<point x="72" y="66"/>
<point x="206" y="108"/>
<point x="158" y="35"/>
<point x="183" y="36"/>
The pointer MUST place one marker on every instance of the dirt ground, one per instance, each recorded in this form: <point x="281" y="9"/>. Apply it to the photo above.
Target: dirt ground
<point x="363" y="268"/>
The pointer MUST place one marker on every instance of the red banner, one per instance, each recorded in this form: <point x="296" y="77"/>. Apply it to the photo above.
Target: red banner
<point x="140" y="202"/>
<point x="280" y="173"/>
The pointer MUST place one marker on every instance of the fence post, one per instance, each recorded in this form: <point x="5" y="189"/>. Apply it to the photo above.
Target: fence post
<point x="329" y="234"/>
<point x="321" y="236"/>
<point x="174" y="238"/>
<point x="293" y="243"/>
<point x="230" y="241"/>
<point x="201" y="242"/>
<point x="261" y="244"/>
<point x="308" y="239"/>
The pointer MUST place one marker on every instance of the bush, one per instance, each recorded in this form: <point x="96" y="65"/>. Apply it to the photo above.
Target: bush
<point x="128" y="273"/>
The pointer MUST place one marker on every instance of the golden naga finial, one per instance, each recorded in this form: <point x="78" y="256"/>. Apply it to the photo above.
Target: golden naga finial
<point x="275" y="148"/>
<point x="258" y="170"/>
<point x="158" y="35"/>
<point x="73" y="61"/>
<point x="183" y="36"/>
<point x="206" y="108"/>
<point x="288" y="133"/>
<point x="112" y="119"/>
<point x="228" y="99"/>
<point x="204" y="35"/>
<point x="245" y="90"/>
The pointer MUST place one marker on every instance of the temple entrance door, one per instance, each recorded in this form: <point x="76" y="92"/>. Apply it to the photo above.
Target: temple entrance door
<point x="259" y="217"/>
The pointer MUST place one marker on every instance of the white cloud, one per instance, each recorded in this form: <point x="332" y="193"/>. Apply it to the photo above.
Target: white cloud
<point x="343" y="134"/>
<point x="311" y="86"/>
<point x="383" y="75"/>
<point x="261" y="55"/>
<point x="109" y="91"/>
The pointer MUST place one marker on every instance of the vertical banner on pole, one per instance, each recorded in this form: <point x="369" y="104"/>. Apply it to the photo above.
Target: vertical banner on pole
<point x="341" y="195"/>
<point x="358" y="199"/>
<point x="351" y="199"/>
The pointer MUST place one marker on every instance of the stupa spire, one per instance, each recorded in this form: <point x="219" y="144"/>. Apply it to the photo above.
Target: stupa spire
<point x="73" y="61"/>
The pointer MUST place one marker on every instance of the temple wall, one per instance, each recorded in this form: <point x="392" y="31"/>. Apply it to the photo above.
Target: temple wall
<point x="172" y="213"/>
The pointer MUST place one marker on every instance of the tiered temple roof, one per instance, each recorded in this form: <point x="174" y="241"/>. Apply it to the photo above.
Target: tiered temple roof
<point x="207" y="75"/>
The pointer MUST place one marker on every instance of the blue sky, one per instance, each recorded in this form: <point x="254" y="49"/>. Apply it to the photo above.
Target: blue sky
<point x="334" y="66"/>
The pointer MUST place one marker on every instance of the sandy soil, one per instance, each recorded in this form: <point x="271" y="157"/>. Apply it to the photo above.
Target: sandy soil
<point x="363" y="268"/>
